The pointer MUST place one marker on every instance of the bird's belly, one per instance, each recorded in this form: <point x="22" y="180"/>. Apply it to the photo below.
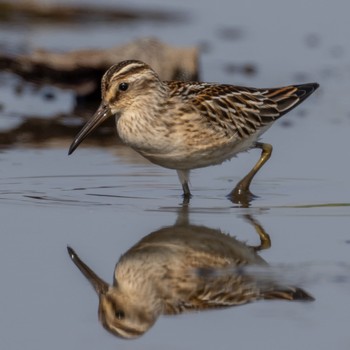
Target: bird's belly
<point x="192" y="157"/>
<point x="182" y="151"/>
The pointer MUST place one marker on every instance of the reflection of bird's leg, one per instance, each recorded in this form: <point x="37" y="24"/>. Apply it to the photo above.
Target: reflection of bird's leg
<point x="186" y="200"/>
<point x="241" y="193"/>
<point x="265" y="241"/>
<point x="183" y="215"/>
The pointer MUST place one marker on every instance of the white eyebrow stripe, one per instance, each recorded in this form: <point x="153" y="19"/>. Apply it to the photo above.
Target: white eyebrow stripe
<point x="129" y="68"/>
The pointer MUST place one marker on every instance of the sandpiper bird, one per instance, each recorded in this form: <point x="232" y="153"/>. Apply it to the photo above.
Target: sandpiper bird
<point x="182" y="268"/>
<point x="187" y="125"/>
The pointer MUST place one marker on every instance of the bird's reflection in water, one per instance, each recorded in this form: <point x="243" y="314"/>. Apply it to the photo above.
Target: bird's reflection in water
<point x="174" y="270"/>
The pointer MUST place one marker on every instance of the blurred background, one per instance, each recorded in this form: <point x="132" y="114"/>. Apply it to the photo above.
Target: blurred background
<point x="105" y="197"/>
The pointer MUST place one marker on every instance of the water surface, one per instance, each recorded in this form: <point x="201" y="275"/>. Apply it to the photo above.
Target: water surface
<point x="102" y="200"/>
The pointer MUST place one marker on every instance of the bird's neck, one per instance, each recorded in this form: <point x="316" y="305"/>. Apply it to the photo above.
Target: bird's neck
<point x="144" y="122"/>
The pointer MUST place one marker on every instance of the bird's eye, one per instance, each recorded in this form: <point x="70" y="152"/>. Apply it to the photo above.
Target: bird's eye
<point x="119" y="314"/>
<point x="123" y="86"/>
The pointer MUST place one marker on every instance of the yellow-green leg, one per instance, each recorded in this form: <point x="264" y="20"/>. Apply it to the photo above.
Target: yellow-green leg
<point x="241" y="193"/>
<point x="265" y="241"/>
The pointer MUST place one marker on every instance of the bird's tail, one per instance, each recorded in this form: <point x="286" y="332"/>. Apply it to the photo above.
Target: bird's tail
<point x="289" y="97"/>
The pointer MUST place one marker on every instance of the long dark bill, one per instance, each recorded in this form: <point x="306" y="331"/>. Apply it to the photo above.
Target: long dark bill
<point x="98" y="118"/>
<point x="98" y="283"/>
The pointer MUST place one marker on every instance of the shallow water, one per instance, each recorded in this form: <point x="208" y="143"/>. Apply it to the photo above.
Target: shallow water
<point x="102" y="200"/>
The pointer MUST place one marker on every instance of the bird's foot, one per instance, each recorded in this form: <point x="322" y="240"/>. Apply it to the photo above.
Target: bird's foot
<point x="241" y="195"/>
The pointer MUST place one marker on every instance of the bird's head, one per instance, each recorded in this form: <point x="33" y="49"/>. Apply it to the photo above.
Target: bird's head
<point x="126" y="87"/>
<point x="126" y="315"/>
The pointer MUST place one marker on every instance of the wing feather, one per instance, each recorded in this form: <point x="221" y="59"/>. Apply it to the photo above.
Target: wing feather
<point x="240" y="110"/>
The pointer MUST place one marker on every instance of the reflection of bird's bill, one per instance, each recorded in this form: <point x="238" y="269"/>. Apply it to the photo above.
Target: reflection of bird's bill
<point x="99" y="285"/>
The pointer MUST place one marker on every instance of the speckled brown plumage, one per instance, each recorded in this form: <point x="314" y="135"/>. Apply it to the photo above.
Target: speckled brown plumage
<point x="178" y="269"/>
<point x="188" y="125"/>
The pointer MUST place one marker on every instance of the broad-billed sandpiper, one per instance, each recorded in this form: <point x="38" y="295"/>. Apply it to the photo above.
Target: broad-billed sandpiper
<point x="188" y="125"/>
<point x="182" y="268"/>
